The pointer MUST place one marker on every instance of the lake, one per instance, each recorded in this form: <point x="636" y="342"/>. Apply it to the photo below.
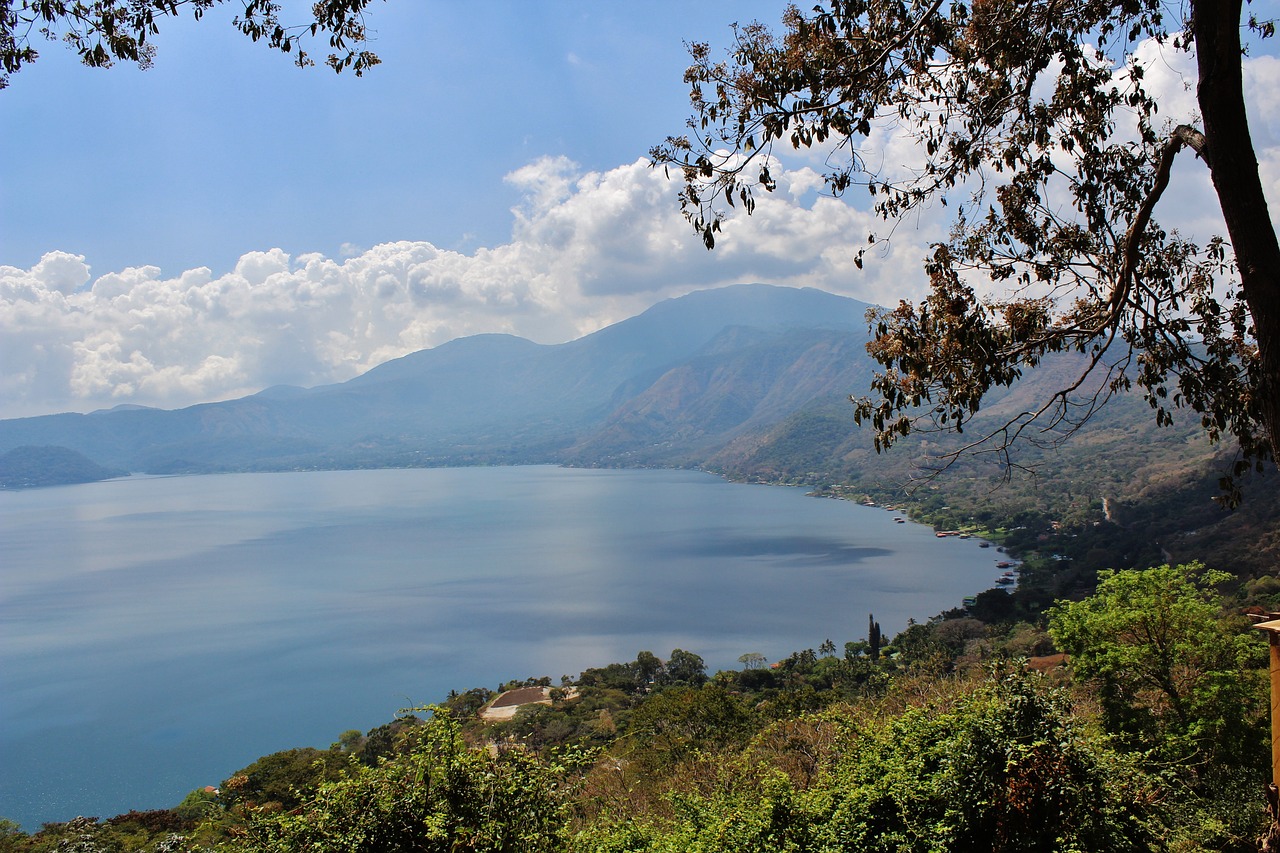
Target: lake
<point x="159" y="633"/>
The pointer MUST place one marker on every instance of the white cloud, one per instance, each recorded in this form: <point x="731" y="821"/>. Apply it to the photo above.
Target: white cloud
<point x="60" y="271"/>
<point x="586" y="249"/>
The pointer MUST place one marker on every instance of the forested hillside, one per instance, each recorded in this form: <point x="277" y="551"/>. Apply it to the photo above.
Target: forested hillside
<point x="1118" y="493"/>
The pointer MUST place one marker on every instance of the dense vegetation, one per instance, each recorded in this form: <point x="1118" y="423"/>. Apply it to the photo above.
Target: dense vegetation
<point x="958" y="734"/>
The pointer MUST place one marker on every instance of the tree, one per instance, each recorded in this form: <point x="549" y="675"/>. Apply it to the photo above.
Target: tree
<point x="675" y="723"/>
<point x="349" y="742"/>
<point x="283" y="778"/>
<point x="648" y="669"/>
<point x="1009" y="769"/>
<point x="440" y="796"/>
<point x="1033" y="124"/>
<point x="1007" y="766"/>
<point x="104" y="32"/>
<point x="465" y="706"/>
<point x="684" y="668"/>
<point x="1173" y="674"/>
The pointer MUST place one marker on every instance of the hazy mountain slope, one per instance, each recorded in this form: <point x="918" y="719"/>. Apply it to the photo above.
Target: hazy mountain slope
<point x="487" y="394"/>
<point x="25" y="467"/>
<point x="745" y="382"/>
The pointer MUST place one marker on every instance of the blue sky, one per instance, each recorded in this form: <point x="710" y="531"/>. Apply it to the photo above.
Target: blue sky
<point x="225" y="222"/>
<point x="224" y="147"/>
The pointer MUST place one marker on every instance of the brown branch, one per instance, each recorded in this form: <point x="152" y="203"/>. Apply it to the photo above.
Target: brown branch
<point x="1182" y="135"/>
<point x="902" y="37"/>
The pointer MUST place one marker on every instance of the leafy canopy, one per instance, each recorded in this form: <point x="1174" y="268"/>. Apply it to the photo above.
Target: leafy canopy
<point x="103" y="32"/>
<point x="441" y="796"/>
<point x="1175" y="676"/>
<point x="1008" y="767"/>
<point x="1032" y="122"/>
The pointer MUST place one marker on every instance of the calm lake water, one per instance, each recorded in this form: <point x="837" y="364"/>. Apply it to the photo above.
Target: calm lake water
<point x="157" y="634"/>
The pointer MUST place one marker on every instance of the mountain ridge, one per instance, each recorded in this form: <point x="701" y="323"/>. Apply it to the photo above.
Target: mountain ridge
<point x="489" y="393"/>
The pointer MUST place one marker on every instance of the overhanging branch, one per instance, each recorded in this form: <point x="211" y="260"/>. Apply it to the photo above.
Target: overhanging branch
<point x="1183" y="135"/>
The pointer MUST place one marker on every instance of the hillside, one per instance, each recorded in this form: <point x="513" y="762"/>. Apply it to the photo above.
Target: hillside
<point x="27" y="467"/>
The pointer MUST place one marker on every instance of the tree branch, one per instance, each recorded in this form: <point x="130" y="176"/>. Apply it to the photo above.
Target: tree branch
<point x="1182" y="135"/>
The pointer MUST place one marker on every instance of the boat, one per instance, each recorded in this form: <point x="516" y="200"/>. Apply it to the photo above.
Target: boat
<point x="900" y="520"/>
<point x="984" y="544"/>
<point x="1003" y="581"/>
<point x="1004" y="564"/>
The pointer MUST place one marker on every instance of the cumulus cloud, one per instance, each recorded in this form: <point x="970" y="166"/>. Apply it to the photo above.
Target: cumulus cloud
<point x="587" y="248"/>
<point x="61" y="272"/>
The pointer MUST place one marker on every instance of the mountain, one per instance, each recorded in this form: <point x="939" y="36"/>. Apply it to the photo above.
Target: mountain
<point x="24" y="467"/>
<point x="669" y="385"/>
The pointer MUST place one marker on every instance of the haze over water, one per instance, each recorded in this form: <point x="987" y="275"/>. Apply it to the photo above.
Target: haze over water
<point x="157" y="634"/>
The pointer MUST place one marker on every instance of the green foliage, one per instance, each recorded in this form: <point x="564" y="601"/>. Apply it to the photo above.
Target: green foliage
<point x="531" y="681"/>
<point x="466" y="705"/>
<point x="684" y="668"/>
<point x="1006" y="768"/>
<point x="647" y="670"/>
<point x="387" y="740"/>
<point x="633" y="677"/>
<point x="593" y="716"/>
<point x="680" y="721"/>
<point x="1173" y="674"/>
<point x="158" y="831"/>
<point x="283" y="779"/>
<point x="917" y="648"/>
<point x="440" y="796"/>
<point x="12" y="838"/>
<point x="198" y="805"/>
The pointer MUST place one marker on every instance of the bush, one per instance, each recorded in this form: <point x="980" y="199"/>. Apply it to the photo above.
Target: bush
<point x="440" y="796"/>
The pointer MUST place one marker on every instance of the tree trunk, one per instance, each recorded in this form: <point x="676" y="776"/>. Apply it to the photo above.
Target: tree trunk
<point x="1233" y="166"/>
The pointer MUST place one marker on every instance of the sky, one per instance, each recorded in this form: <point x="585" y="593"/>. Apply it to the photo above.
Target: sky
<point x="225" y="222"/>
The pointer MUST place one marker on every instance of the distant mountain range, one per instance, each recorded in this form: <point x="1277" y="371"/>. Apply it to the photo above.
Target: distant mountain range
<point x="673" y="385"/>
